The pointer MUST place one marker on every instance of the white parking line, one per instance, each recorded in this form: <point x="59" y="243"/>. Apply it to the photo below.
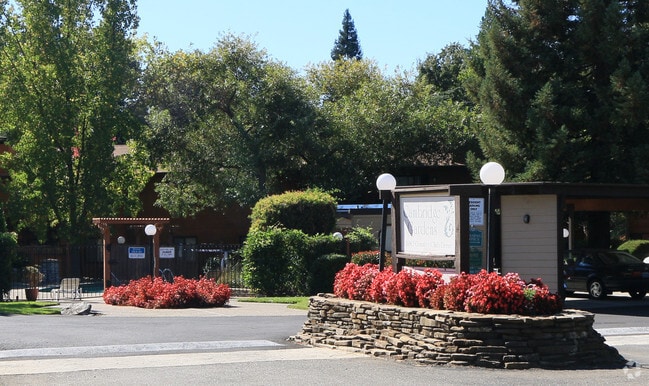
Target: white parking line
<point x="45" y="366"/>
<point x="135" y="348"/>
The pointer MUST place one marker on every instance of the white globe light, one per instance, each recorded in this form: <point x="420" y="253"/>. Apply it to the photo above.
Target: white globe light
<point x="338" y="236"/>
<point x="386" y="181"/>
<point x="121" y="240"/>
<point x="150" y="230"/>
<point x="492" y="173"/>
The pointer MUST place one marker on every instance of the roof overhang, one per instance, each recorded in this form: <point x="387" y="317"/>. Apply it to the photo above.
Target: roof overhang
<point x="579" y="197"/>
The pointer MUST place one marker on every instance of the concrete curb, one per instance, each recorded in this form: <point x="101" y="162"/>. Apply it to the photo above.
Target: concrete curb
<point x="234" y="308"/>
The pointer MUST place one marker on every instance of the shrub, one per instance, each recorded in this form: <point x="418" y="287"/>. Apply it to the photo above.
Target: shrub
<point x="436" y="301"/>
<point x="638" y="248"/>
<point x="495" y="294"/>
<point x="426" y="285"/>
<point x="539" y="300"/>
<point x="323" y="272"/>
<point x="312" y="211"/>
<point x="353" y="281"/>
<point x="361" y="239"/>
<point x="365" y="257"/>
<point x="379" y="287"/>
<point x="157" y="293"/>
<point x="8" y="246"/>
<point x="401" y="289"/>
<point x="274" y="263"/>
<point x="456" y="291"/>
<point x="483" y="292"/>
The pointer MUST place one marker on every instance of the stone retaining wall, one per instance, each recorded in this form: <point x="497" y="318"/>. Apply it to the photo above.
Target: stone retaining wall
<point x="565" y="340"/>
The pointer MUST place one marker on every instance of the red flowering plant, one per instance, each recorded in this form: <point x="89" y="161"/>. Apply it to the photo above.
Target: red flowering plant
<point x="427" y="283"/>
<point x="157" y="293"/>
<point x="401" y="289"/>
<point x="482" y="292"/>
<point x="456" y="291"/>
<point x="436" y="299"/>
<point x="539" y="300"/>
<point x="377" y="292"/>
<point x="495" y="294"/>
<point x="353" y="281"/>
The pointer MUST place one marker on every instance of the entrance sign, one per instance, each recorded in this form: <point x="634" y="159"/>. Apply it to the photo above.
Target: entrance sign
<point x="427" y="225"/>
<point x="136" y="252"/>
<point x="167" y="252"/>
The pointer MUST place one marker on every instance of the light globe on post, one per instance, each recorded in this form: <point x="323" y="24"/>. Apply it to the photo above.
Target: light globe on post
<point x="385" y="183"/>
<point x="491" y="173"/>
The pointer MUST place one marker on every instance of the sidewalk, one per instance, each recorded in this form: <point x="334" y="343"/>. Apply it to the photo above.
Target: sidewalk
<point x="234" y="308"/>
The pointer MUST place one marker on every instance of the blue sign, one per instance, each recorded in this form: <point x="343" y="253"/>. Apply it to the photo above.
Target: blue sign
<point x="475" y="238"/>
<point x="136" y="252"/>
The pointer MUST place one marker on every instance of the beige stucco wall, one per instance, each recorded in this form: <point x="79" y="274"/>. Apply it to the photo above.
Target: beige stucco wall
<point x="530" y="249"/>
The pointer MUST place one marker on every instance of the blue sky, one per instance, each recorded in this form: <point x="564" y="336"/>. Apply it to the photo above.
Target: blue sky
<point x="396" y="34"/>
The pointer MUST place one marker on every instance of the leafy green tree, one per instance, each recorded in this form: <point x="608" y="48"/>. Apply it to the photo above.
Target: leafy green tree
<point x="563" y="85"/>
<point x="383" y="124"/>
<point x="444" y="71"/>
<point x="68" y="71"/>
<point x="347" y="45"/>
<point x="230" y="126"/>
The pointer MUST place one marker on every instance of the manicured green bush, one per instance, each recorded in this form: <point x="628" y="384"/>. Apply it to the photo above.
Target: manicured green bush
<point x="365" y="257"/>
<point x="311" y="211"/>
<point x="323" y="271"/>
<point x="8" y="245"/>
<point x="361" y="239"/>
<point x="638" y="248"/>
<point x="274" y="263"/>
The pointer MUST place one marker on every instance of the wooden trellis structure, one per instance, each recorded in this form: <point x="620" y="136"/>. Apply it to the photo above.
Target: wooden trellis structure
<point x="104" y="224"/>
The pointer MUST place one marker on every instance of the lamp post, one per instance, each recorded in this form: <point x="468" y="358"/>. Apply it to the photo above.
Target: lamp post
<point x="491" y="174"/>
<point x="151" y="230"/>
<point x="385" y="183"/>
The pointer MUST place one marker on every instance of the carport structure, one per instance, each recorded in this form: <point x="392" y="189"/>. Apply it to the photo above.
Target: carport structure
<point x="532" y="223"/>
<point x="104" y="224"/>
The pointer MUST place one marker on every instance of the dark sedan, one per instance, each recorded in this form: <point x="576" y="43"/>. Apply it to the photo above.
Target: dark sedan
<point x="600" y="272"/>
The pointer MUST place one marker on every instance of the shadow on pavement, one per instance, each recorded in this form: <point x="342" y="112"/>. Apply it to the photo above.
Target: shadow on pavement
<point x="615" y="304"/>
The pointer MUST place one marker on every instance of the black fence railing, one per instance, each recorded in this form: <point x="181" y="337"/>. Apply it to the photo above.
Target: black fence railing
<point x="59" y="272"/>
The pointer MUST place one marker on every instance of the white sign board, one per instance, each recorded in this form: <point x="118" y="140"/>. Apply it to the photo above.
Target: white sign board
<point x="136" y="252"/>
<point x="476" y="211"/>
<point x="428" y="225"/>
<point x="167" y="252"/>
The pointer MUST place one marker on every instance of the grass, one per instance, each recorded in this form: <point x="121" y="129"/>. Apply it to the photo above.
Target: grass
<point x="29" y="308"/>
<point x="296" y="302"/>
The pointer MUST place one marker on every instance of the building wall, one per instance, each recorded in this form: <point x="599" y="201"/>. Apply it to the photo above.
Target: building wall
<point x="530" y="249"/>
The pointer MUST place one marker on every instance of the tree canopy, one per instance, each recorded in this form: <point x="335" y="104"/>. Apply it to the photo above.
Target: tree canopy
<point x="563" y="86"/>
<point x="68" y="74"/>
<point x="230" y="126"/>
<point x="347" y="45"/>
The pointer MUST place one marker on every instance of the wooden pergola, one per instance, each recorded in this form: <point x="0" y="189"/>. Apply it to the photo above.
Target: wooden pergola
<point x="104" y="224"/>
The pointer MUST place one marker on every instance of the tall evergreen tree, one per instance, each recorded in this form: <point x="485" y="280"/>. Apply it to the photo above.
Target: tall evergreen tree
<point x="564" y="86"/>
<point x="347" y="45"/>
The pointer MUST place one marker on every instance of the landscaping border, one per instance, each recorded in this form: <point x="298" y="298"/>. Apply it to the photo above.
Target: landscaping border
<point x="439" y="337"/>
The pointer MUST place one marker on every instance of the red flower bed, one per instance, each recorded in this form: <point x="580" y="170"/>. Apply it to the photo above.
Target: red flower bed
<point x="483" y="292"/>
<point x="157" y="293"/>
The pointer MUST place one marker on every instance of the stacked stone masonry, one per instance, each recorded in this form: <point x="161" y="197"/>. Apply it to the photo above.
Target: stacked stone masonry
<point x="565" y="340"/>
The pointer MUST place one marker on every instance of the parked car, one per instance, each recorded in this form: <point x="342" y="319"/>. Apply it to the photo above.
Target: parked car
<point x="600" y="272"/>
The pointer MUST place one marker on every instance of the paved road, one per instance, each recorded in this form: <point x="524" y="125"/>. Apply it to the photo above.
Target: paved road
<point x="246" y="344"/>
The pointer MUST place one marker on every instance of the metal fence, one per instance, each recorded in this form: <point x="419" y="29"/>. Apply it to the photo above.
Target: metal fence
<point x="46" y="267"/>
